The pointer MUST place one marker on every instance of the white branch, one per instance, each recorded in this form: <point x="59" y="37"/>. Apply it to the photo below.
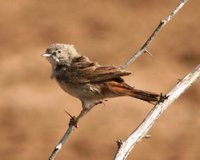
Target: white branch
<point x="155" y="113"/>
<point x="58" y="147"/>
<point x="162" y="23"/>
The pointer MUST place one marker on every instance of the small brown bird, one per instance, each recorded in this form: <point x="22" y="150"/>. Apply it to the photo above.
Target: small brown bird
<point x="89" y="81"/>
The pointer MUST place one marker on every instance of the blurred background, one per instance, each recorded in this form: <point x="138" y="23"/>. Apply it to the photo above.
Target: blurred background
<point x="32" y="117"/>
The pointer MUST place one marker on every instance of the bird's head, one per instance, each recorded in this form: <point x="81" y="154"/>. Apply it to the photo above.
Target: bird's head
<point x="59" y="54"/>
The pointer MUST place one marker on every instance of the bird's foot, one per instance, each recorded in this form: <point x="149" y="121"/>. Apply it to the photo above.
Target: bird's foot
<point x="73" y="120"/>
<point x="162" y="98"/>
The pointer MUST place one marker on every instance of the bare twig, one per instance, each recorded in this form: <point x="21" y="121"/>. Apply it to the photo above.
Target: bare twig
<point x="155" y="113"/>
<point x="162" y="23"/>
<point x="63" y="139"/>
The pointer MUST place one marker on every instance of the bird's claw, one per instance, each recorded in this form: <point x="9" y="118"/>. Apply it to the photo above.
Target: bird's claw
<point x="119" y="143"/>
<point x="162" y="98"/>
<point x="73" y="122"/>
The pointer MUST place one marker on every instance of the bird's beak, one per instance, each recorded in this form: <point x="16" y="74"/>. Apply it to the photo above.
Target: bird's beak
<point x="46" y="55"/>
<point x="50" y="55"/>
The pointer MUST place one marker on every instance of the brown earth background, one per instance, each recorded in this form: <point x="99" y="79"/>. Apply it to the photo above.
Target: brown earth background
<point x="32" y="117"/>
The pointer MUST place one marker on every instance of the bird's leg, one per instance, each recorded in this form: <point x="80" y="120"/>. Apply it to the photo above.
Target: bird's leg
<point x="82" y="113"/>
<point x="86" y="108"/>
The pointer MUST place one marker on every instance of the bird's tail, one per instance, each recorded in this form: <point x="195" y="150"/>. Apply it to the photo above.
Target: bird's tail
<point x="115" y="89"/>
<point x="145" y="95"/>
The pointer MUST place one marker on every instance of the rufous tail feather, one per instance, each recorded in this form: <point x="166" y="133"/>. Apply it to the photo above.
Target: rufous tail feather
<point x="145" y="96"/>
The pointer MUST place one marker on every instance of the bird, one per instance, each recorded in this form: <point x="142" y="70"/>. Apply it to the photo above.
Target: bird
<point x="89" y="81"/>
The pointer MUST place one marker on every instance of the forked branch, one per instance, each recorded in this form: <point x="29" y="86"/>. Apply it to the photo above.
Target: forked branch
<point x="155" y="113"/>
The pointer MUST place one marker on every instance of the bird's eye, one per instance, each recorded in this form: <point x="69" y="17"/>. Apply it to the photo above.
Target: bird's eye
<point x="59" y="51"/>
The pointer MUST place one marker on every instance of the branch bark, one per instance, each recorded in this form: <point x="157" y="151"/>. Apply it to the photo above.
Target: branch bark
<point x="58" y="147"/>
<point x="155" y="113"/>
<point x="162" y="23"/>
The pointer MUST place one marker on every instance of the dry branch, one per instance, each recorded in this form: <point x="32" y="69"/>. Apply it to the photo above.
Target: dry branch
<point x="162" y="23"/>
<point x="155" y="113"/>
<point x="58" y="147"/>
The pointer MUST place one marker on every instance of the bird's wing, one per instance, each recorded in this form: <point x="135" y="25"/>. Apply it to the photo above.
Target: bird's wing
<point x="82" y="70"/>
